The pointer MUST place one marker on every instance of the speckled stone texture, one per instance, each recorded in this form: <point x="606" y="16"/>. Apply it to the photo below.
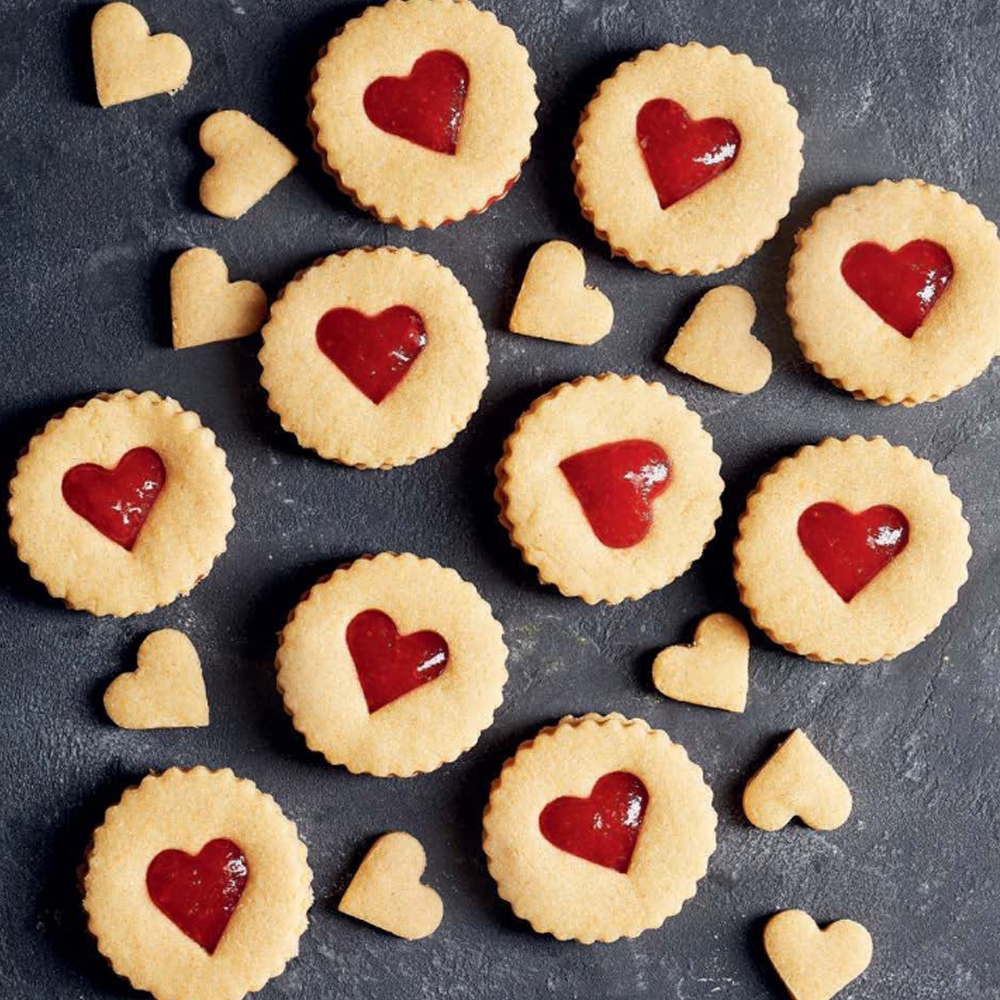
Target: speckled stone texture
<point x="94" y="205"/>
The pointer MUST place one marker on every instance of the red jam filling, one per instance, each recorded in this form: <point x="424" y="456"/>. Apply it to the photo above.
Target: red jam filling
<point x="849" y="549"/>
<point x="374" y="352"/>
<point x="116" y="501"/>
<point x="616" y="485"/>
<point x="603" y="828"/>
<point x="902" y="285"/>
<point x="390" y="665"/>
<point x="426" y="106"/>
<point x="199" y="892"/>
<point x="683" y="154"/>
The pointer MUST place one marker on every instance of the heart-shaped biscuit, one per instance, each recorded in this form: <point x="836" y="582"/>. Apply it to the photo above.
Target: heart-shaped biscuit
<point x="555" y="304"/>
<point x="165" y="691"/>
<point x="797" y="780"/>
<point x="129" y="62"/>
<point x="206" y="306"/>
<point x="716" y="346"/>
<point x="387" y="892"/>
<point x="249" y="161"/>
<point x="816" y="964"/>
<point x="713" y="671"/>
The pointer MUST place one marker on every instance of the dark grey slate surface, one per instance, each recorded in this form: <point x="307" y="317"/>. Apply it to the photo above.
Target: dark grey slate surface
<point x="93" y="205"/>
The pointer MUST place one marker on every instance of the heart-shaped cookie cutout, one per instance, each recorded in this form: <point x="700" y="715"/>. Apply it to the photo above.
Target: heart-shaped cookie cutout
<point x="816" y="964"/>
<point x="129" y="62"/>
<point x="387" y="892"/>
<point x="206" y="306"/>
<point x="555" y="304"/>
<point x="797" y="780"/>
<point x="249" y="161"/>
<point x="716" y="346"/>
<point x="713" y="671"/>
<point x="165" y="691"/>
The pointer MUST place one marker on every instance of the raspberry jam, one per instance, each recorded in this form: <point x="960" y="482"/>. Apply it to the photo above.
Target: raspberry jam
<point x="117" y="501"/>
<point x="603" y="828"/>
<point x="616" y="485"/>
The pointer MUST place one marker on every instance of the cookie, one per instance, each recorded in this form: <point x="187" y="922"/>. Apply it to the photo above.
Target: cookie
<point x="121" y="504"/>
<point x="206" y="306"/>
<point x="892" y="292"/>
<point x="196" y="886"/>
<point x="797" y="780"/>
<point x="249" y="162"/>
<point x="165" y="691"/>
<point x="392" y="665"/>
<point x="716" y="346"/>
<point x="687" y="159"/>
<point x="816" y="964"/>
<point x="713" y="672"/>
<point x="555" y="304"/>
<point x="374" y="357"/>
<point x="423" y="110"/>
<point x="609" y="487"/>
<point x="851" y="551"/>
<point x="129" y="62"/>
<point x="598" y="828"/>
<point x="387" y="892"/>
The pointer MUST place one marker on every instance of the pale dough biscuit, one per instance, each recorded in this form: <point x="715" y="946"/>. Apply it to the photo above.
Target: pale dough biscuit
<point x="716" y="346"/>
<point x="387" y="892"/>
<point x="165" y="691"/>
<point x="555" y="304"/>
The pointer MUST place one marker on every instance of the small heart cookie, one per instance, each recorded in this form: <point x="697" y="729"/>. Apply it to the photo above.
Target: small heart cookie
<point x="716" y="346"/>
<point x="165" y="691"/>
<point x="797" y="780"/>
<point x="249" y="161"/>
<point x="713" y="671"/>
<point x="205" y="306"/>
<point x="387" y="892"/>
<point x="816" y="964"/>
<point x="129" y="62"/>
<point x="555" y="304"/>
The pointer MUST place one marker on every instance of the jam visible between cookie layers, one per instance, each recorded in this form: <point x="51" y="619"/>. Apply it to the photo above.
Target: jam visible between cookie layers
<point x="616" y="485"/>
<point x="425" y="107"/>
<point x="683" y="154"/>
<point x="374" y="352"/>
<point x="902" y="286"/>
<point x="117" y="501"/>
<point x="849" y="549"/>
<point x="602" y="828"/>
<point x="199" y="892"/>
<point x="390" y="665"/>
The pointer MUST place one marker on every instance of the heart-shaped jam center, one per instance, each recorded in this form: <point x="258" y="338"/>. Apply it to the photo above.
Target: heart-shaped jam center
<point x="849" y="549"/>
<point x="374" y="352"/>
<point x="902" y="285"/>
<point x="199" y="892"/>
<point x="602" y="828"/>
<point x="616" y="485"/>
<point x="683" y="154"/>
<point x="426" y="106"/>
<point x="390" y="665"/>
<point x="116" y="501"/>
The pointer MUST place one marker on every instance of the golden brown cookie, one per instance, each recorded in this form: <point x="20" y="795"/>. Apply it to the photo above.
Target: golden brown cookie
<point x="598" y="828"/>
<point x="196" y="886"/>
<point x="393" y="665"/>
<point x="423" y="110"/>
<point x="851" y="551"/>
<point x="609" y="487"/>
<point x="121" y="504"/>
<point x="374" y="358"/>
<point x="892" y="292"/>
<point x="687" y="159"/>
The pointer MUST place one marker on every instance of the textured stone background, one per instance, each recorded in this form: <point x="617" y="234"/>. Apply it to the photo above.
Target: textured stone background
<point x="93" y="206"/>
